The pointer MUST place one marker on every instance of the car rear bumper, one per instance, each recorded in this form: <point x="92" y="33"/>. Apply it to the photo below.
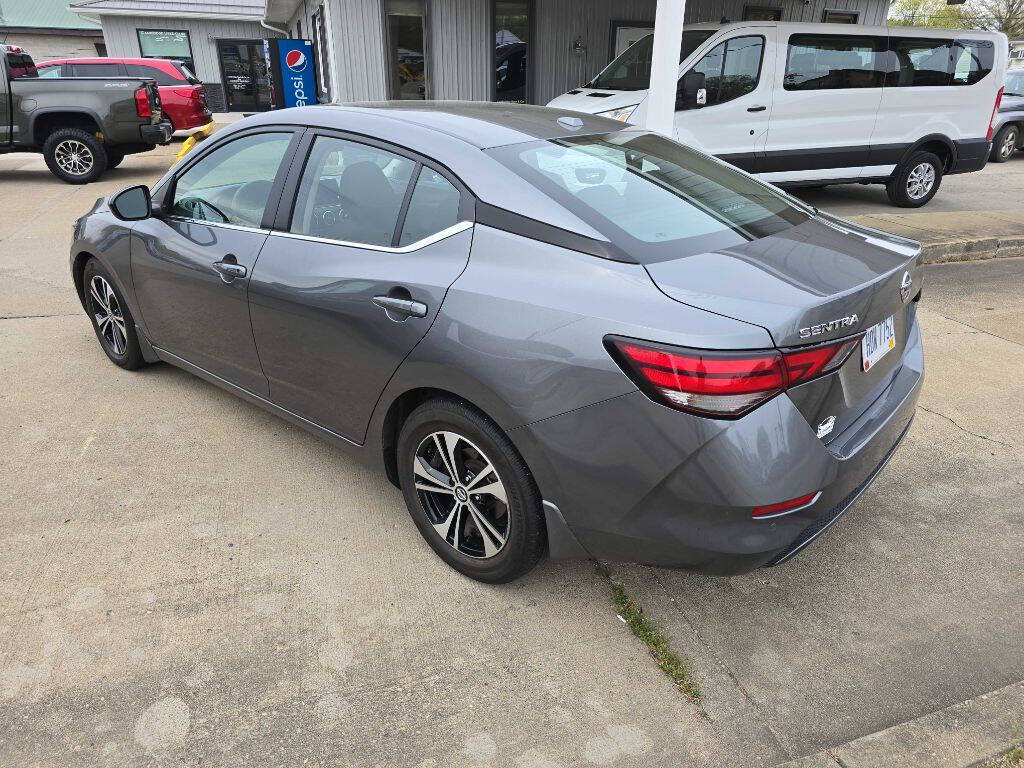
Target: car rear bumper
<point x="157" y="133"/>
<point x="638" y="482"/>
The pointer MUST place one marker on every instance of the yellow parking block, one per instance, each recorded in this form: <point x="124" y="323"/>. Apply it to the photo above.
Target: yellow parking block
<point x="189" y="144"/>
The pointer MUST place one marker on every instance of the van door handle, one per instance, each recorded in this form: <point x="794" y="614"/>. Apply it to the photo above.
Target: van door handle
<point x="758" y="108"/>
<point x="401" y="307"/>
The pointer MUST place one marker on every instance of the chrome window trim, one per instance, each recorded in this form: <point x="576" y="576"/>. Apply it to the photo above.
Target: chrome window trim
<point x="223" y="225"/>
<point x="437" y="237"/>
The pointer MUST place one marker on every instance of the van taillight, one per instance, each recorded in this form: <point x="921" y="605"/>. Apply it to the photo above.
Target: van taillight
<point x="992" y="120"/>
<point x="723" y="385"/>
<point x="142" y="106"/>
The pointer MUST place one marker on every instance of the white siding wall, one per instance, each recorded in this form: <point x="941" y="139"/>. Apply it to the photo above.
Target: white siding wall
<point x="460" y="40"/>
<point x="122" y="41"/>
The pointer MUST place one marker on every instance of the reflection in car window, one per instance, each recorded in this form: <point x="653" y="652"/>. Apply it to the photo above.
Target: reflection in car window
<point x="351" y="192"/>
<point x="434" y="206"/>
<point x="231" y="185"/>
<point x="652" y="197"/>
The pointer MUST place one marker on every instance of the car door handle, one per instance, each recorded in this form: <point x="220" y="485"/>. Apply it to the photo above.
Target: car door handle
<point x="406" y="307"/>
<point x="758" y="108"/>
<point x="230" y="268"/>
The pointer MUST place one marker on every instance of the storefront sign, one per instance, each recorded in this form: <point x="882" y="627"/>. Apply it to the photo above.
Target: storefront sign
<point x="298" y="82"/>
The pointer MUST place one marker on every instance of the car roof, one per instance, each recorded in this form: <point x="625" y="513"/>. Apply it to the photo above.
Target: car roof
<point x="482" y="124"/>
<point x="159" y="63"/>
<point x="840" y="29"/>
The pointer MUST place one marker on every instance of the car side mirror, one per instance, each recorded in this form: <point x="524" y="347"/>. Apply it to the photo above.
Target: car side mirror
<point x="132" y="204"/>
<point x="691" y="92"/>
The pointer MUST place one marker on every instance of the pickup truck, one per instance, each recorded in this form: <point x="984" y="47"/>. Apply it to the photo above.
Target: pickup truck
<point x="81" y="125"/>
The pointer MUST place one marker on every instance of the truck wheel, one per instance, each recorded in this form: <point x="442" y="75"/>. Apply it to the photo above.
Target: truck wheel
<point x="74" y="155"/>
<point x="114" y="158"/>
<point x="916" y="180"/>
<point x="1005" y="143"/>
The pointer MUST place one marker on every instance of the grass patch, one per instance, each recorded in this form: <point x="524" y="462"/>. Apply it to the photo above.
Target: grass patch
<point x="669" y="661"/>
<point x="1012" y="759"/>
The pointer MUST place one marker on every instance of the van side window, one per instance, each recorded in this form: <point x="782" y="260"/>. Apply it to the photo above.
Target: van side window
<point x="972" y="60"/>
<point x="829" y="62"/>
<point x="731" y="69"/>
<point x="918" y="62"/>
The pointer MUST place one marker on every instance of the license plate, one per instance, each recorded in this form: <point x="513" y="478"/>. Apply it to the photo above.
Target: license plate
<point x="878" y="340"/>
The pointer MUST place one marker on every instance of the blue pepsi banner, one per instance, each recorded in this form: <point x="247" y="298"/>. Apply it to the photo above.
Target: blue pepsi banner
<point x="298" y="84"/>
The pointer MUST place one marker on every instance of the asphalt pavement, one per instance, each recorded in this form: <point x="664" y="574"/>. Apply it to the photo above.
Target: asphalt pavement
<point x="187" y="579"/>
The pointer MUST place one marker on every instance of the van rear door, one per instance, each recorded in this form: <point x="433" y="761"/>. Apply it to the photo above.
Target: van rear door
<point x="825" y="106"/>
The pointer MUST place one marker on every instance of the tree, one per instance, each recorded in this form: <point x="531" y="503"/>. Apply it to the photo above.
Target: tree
<point x="1001" y="15"/>
<point x="929" y="13"/>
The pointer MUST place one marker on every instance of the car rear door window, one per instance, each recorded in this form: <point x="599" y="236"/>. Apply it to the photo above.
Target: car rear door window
<point x="107" y="69"/>
<point x="830" y="62"/>
<point x="434" y="207"/>
<point x="351" y="192"/>
<point x="161" y="77"/>
<point x="232" y="184"/>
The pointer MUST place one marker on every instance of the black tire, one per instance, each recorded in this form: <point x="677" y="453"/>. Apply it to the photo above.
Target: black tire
<point x="482" y="444"/>
<point x="118" y="339"/>
<point x="897" y="186"/>
<point x="59" y="150"/>
<point x="114" y="158"/>
<point x="1005" y="143"/>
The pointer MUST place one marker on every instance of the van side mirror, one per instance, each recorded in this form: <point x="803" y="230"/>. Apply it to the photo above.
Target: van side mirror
<point x="691" y="93"/>
<point x="132" y="204"/>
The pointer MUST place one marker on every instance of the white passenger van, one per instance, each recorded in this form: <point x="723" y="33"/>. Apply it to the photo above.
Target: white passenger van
<point x="815" y="104"/>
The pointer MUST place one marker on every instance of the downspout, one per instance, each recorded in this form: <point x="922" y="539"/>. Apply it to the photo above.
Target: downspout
<point x="263" y="23"/>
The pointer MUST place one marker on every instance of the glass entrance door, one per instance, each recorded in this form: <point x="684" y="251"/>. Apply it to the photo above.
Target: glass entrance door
<point x="243" y="66"/>
<point x="511" y="46"/>
<point x="407" y="60"/>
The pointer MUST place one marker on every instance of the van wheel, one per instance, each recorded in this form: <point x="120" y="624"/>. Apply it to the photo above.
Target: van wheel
<point x="469" y="492"/>
<point x="1005" y="144"/>
<point x="74" y="155"/>
<point x="915" y="181"/>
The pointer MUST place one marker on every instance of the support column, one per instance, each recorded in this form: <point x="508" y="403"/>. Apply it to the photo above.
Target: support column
<point x="668" y="37"/>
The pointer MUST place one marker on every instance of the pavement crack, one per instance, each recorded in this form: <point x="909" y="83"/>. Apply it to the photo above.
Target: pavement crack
<point x="964" y="429"/>
<point x="975" y="328"/>
<point x="32" y="317"/>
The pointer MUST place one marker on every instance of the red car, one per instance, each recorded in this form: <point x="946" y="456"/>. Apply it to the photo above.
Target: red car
<point x="181" y="94"/>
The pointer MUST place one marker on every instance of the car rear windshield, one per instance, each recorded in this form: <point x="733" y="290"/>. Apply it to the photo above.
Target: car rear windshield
<point x="631" y="70"/>
<point x="652" y="197"/>
<point x="187" y="73"/>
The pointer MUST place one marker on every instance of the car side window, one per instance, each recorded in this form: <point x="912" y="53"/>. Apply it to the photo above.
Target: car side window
<point x="916" y="63"/>
<point x="98" y="70"/>
<point x="972" y="60"/>
<point x="143" y="70"/>
<point x="434" y="206"/>
<point x="52" y="70"/>
<point x="232" y="184"/>
<point x="832" y="62"/>
<point x="731" y="69"/>
<point x="351" y="192"/>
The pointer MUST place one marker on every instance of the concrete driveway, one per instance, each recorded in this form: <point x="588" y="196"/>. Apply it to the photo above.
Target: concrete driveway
<point x="186" y="579"/>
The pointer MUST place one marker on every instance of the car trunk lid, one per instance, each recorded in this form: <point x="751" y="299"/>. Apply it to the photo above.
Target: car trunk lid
<point x="822" y="280"/>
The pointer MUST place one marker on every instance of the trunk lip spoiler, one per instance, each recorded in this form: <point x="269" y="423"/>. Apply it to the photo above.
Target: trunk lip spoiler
<point x="897" y="243"/>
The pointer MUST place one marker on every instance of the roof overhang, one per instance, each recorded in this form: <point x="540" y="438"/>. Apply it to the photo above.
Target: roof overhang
<point x="280" y="11"/>
<point x="95" y="12"/>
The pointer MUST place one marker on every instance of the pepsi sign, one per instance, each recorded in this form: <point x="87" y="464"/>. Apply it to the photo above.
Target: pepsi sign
<point x="297" y="81"/>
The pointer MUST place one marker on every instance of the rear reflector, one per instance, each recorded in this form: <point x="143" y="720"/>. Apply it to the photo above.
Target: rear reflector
<point x="723" y="384"/>
<point x="142" y="107"/>
<point x="992" y="120"/>
<point x="783" y="507"/>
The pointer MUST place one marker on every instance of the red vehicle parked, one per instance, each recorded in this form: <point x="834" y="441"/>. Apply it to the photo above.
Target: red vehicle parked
<point x="181" y="94"/>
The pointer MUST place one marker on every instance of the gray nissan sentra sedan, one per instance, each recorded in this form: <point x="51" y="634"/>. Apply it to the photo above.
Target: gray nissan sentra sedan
<point x="553" y="331"/>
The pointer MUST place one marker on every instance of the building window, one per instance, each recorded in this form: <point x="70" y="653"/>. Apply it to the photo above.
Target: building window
<point x="761" y="13"/>
<point x="840" y="17"/>
<point x="323" y="64"/>
<point x="166" y="44"/>
<point x="407" y="48"/>
<point x="101" y="49"/>
<point x="511" y="46"/>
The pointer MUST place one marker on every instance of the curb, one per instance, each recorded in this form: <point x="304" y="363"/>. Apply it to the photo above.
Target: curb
<point x="965" y="734"/>
<point x="972" y="250"/>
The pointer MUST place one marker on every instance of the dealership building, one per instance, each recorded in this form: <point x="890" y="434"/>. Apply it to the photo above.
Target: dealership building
<point x="529" y="51"/>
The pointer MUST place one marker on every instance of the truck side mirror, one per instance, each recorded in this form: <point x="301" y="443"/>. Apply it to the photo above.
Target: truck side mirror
<point x="132" y="204"/>
<point x="691" y="92"/>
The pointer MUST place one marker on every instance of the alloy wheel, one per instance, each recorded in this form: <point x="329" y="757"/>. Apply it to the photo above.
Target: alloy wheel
<point x="106" y="311"/>
<point x="1009" y="144"/>
<point x="461" y="494"/>
<point x="73" y="157"/>
<point x="920" y="181"/>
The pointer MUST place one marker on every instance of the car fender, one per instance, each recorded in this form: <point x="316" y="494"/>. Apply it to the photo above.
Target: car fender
<point x="75" y="110"/>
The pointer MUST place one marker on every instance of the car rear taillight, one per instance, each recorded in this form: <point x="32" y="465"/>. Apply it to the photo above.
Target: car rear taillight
<point x="142" y="106"/>
<point x="992" y="120"/>
<point x="723" y="385"/>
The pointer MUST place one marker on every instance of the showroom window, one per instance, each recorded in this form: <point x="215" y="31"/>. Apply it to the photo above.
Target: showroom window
<point x="166" y="44"/>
